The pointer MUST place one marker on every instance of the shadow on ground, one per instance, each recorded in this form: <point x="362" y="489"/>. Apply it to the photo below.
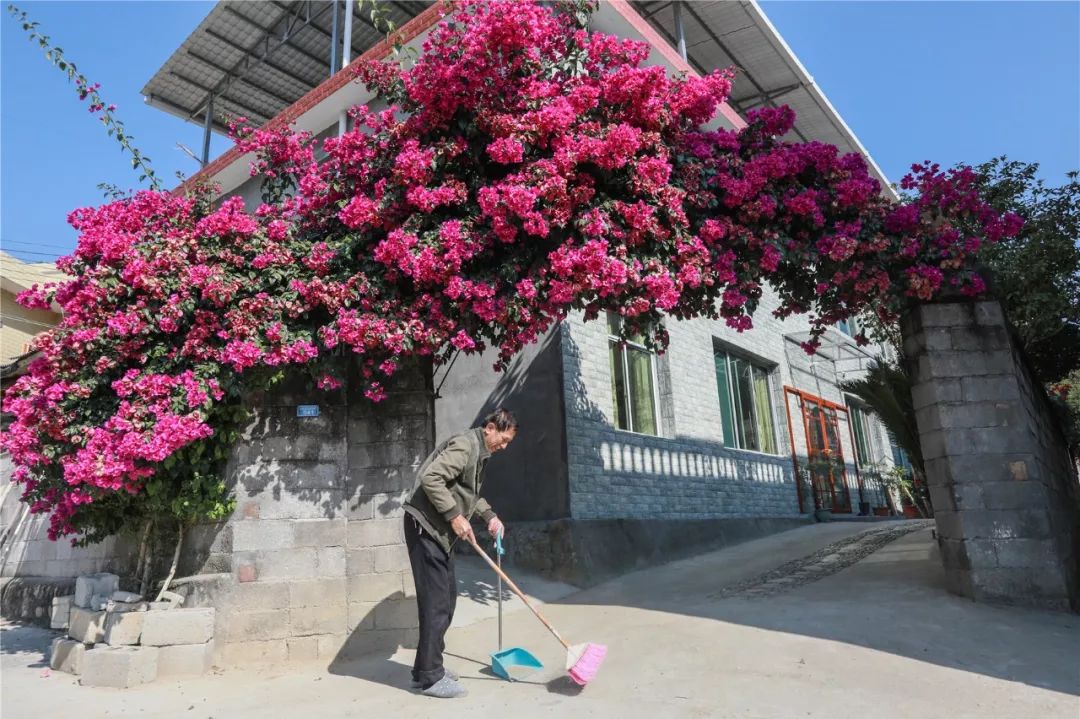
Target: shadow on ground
<point x="894" y="600"/>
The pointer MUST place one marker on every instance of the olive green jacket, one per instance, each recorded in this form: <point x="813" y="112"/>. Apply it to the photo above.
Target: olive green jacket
<point x="448" y="484"/>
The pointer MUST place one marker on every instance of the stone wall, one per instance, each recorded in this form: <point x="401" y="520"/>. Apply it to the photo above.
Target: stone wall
<point x="312" y="565"/>
<point x="1005" y="493"/>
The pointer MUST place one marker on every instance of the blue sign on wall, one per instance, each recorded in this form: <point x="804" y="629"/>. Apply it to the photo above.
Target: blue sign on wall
<point x="307" y="410"/>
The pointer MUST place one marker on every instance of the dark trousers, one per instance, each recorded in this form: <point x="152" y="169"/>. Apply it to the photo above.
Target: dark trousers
<point x="436" y="597"/>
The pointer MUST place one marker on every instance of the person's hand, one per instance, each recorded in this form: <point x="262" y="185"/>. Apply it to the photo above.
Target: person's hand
<point x="495" y="527"/>
<point x="462" y="528"/>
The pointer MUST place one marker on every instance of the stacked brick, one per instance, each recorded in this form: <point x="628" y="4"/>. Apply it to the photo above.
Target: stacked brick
<point x="115" y="639"/>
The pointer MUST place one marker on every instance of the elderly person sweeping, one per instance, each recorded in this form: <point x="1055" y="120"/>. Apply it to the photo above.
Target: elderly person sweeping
<point x="438" y="513"/>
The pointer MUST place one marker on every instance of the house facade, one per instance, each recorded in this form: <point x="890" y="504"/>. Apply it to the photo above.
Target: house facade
<point x="724" y="427"/>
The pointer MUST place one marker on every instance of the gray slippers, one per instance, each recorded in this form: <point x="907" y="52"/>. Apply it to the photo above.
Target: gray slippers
<point x="446" y="688"/>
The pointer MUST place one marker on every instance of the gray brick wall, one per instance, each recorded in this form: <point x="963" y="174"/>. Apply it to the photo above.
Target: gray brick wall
<point x="315" y="550"/>
<point x="687" y="472"/>
<point x="1005" y="492"/>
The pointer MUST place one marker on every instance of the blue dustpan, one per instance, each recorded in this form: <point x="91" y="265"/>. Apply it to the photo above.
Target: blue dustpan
<point x="514" y="663"/>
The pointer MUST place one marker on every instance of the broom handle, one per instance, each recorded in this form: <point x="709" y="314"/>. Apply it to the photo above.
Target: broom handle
<point x="515" y="590"/>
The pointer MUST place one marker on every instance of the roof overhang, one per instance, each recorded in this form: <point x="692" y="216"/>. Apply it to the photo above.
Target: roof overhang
<point x="718" y="34"/>
<point x="255" y="59"/>
<point x="725" y="33"/>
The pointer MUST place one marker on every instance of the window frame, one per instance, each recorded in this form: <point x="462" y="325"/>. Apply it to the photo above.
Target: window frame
<point x="615" y="344"/>
<point x="737" y="430"/>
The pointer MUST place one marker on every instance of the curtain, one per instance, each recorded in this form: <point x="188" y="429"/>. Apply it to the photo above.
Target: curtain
<point x="642" y="393"/>
<point x="764" y="411"/>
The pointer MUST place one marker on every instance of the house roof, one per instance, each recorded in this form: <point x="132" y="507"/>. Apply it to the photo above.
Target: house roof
<point x="17" y="276"/>
<point x="265" y="61"/>
<point x="258" y="58"/>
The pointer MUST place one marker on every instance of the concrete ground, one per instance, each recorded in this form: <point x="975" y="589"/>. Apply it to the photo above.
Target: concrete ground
<point x="834" y="620"/>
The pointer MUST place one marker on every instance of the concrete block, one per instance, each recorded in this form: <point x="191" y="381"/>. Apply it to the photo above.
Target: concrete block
<point x="331" y="561"/>
<point x="66" y="655"/>
<point x="1031" y="586"/>
<point x="1006" y="524"/>
<point x="396" y="614"/>
<point x="317" y="592"/>
<point x="359" y="561"/>
<point x="980" y="337"/>
<point x="273" y="651"/>
<point x="306" y="621"/>
<point x="253" y="596"/>
<point x="60" y="612"/>
<point x="989" y="314"/>
<point x="376" y="532"/>
<point x="937" y="365"/>
<point x="120" y="667"/>
<point x="256" y="626"/>
<point x="262" y="534"/>
<point x="319" y="533"/>
<point x="1013" y="495"/>
<point x="178" y="626"/>
<point x="361" y="616"/>
<point x="394" y="558"/>
<point x="124" y="629"/>
<point x="376" y="587"/>
<point x="987" y="389"/>
<point x="382" y="505"/>
<point x="330" y="645"/>
<point x="303" y="649"/>
<point x="86" y="625"/>
<point x="367" y="479"/>
<point x="959" y="314"/>
<point x="89" y="585"/>
<point x="185" y="659"/>
<point x="297" y="563"/>
<point x="930" y="391"/>
<point x="1034" y="553"/>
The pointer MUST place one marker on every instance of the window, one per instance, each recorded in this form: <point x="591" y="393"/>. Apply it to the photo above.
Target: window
<point x="860" y="424"/>
<point x="851" y="326"/>
<point x="633" y="381"/>
<point x="745" y="404"/>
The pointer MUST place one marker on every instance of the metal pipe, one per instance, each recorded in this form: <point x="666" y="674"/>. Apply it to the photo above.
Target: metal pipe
<point x="208" y="125"/>
<point x="680" y="32"/>
<point x="346" y="46"/>
<point x="334" y="38"/>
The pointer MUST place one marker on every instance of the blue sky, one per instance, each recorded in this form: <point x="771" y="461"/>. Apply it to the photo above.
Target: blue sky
<point x="947" y="81"/>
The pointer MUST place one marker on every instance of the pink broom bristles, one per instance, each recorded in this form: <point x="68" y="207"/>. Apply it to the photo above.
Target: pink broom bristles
<point x="585" y="668"/>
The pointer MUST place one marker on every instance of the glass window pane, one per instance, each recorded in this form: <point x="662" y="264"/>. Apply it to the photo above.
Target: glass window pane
<point x="862" y="446"/>
<point x="763" y="410"/>
<point x="614" y="323"/>
<point x="642" y="395"/>
<point x="723" y="389"/>
<point x="745" y="382"/>
<point x="618" y="386"/>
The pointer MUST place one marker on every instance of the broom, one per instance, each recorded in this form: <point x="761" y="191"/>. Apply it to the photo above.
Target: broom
<point x="582" y="660"/>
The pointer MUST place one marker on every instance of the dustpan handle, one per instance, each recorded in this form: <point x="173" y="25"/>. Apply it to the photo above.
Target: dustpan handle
<point x="498" y="557"/>
<point x="515" y="590"/>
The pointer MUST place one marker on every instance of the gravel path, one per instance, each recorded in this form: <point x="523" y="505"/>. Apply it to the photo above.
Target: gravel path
<point x="830" y="560"/>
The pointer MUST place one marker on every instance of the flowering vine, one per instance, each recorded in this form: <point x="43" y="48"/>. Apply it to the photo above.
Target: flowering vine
<point x="89" y="91"/>
<point x="526" y="168"/>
